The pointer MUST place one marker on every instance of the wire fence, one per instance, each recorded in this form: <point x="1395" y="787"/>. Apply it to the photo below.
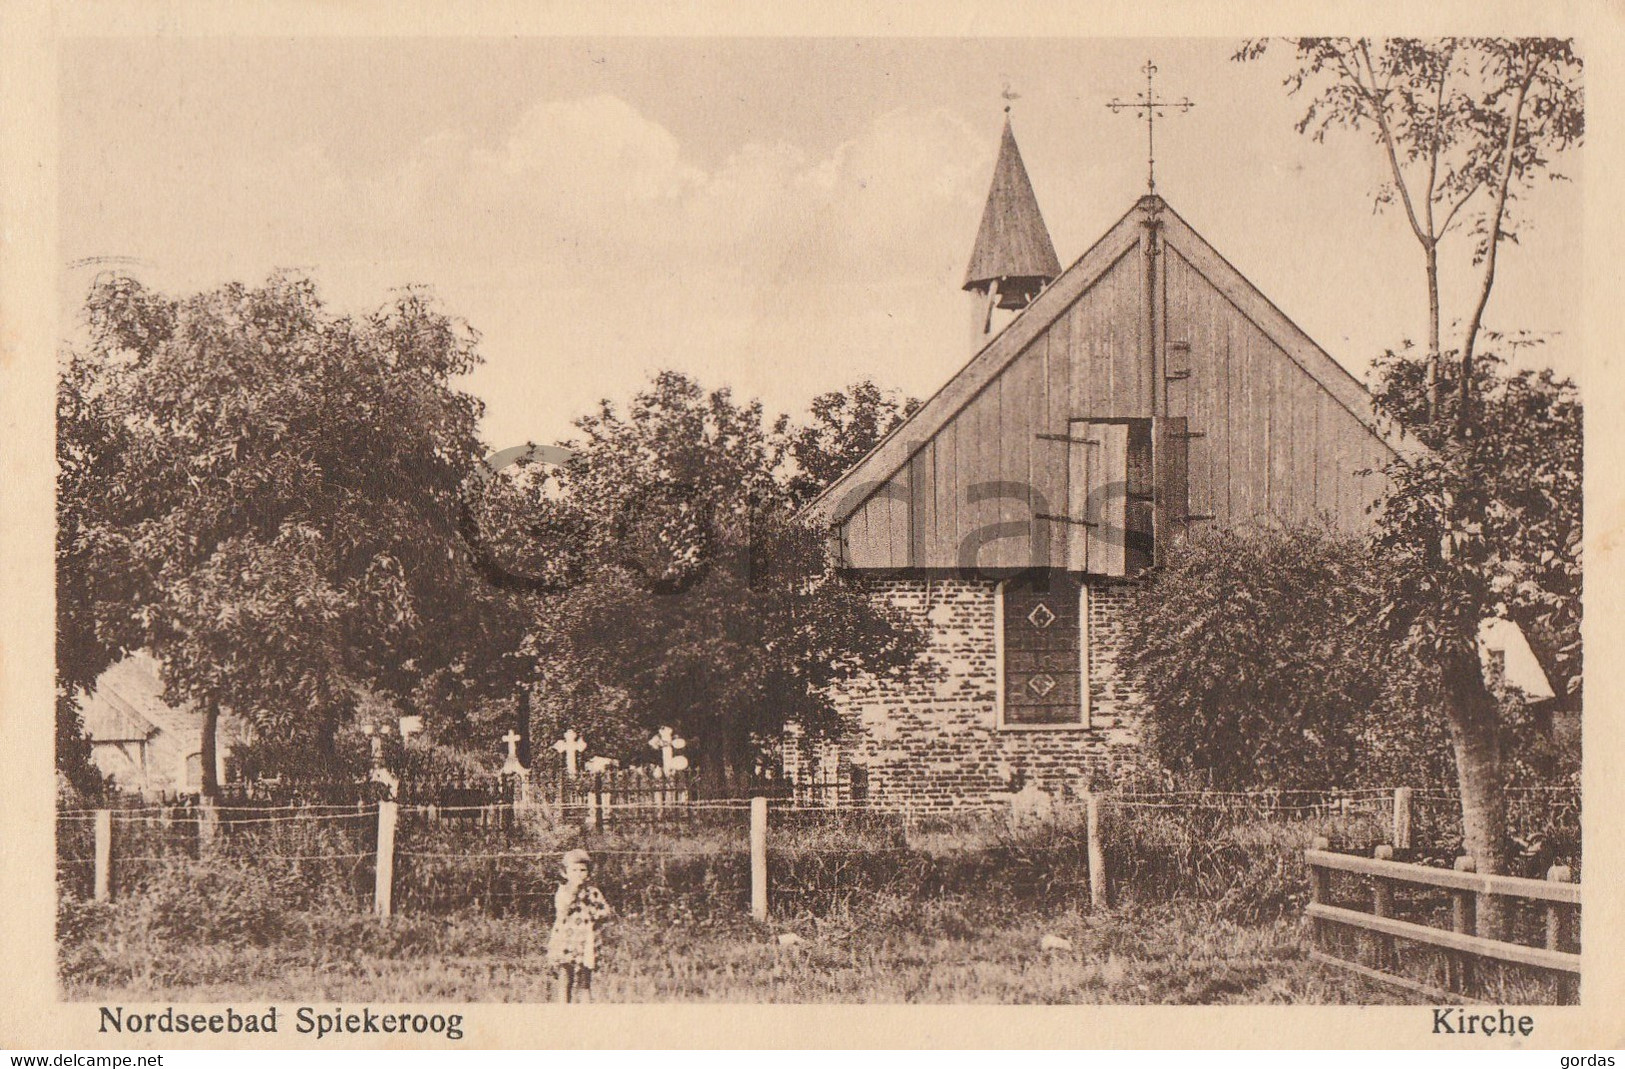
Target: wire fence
<point x="1242" y="848"/>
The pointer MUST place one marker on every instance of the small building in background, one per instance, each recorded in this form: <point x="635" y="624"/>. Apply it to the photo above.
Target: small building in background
<point x="1510" y="663"/>
<point x="141" y="742"/>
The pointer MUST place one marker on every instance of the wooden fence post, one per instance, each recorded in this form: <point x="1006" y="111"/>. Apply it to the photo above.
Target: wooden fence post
<point x="1320" y="888"/>
<point x="383" y="887"/>
<point x="1558" y="935"/>
<point x="1097" y="852"/>
<point x="1464" y="904"/>
<point x="1402" y="820"/>
<point x="758" y="858"/>
<point x="1464" y="920"/>
<point x="1382" y="905"/>
<point x="1557" y="914"/>
<point x="1320" y="880"/>
<point x="104" y="854"/>
<point x="208" y="828"/>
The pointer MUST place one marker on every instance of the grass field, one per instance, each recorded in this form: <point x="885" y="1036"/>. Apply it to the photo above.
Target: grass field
<point x="893" y="950"/>
<point x="948" y="911"/>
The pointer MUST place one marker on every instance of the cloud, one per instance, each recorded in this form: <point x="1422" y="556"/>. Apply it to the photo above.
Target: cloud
<point x="589" y="248"/>
<point x="594" y="192"/>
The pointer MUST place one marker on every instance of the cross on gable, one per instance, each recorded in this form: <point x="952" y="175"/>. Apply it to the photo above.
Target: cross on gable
<point x="512" y="739"/>
<point x="1148" y="104"/>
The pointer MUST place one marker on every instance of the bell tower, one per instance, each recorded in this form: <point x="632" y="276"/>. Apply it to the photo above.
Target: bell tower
<point x="1014" y="258"/>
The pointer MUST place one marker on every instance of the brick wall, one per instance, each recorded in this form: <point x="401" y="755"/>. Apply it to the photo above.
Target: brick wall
<point x="930" y="741"/>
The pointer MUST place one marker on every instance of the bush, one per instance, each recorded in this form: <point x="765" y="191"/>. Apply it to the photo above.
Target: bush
<point x="312" y="856"/>
<point x="1261" y="658"/>
<point x="1249" y="865"/>
<point x="216" y="903"/>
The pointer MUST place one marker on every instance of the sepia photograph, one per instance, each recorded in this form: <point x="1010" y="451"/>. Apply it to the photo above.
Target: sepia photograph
<point x="861" y="520"/>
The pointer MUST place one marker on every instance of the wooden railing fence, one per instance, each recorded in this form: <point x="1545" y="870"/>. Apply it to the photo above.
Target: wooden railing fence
<point x="1463" y="945"/>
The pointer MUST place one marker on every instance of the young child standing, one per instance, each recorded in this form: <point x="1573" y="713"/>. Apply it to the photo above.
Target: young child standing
<point x="579" y="910"/>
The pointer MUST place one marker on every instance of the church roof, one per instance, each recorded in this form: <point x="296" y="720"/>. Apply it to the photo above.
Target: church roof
<point x="127" y="704"/>
<point x="841" y="498"/>
<point x="109" y="717"/>
<point x="1012" y="241"/>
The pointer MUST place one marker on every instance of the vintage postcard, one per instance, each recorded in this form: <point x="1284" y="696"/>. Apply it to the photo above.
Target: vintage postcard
<point x="517" y="518"/>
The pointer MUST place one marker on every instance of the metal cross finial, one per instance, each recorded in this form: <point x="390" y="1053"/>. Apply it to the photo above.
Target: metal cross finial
<point x="1008" y="96"/>
<point x="1150" y="105"/>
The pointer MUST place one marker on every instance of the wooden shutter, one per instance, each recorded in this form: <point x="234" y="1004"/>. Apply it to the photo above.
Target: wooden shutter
<point x="1077" y="494"/>
<point x="1171" y="454"/>
<point x="1108" y="499"/>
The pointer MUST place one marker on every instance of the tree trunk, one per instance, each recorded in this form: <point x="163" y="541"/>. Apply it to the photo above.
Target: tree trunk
<point x="730" y="764"/>
<point x="735" y="764"/>
<point x="1475" y="737"/>
<point x="715" y="772"/>
<point x="327" y="744"/>
<point x="209" y="745"/>
<point x="527" y="709"/>
<point x="1475" y="715"/>
<point x="1432" y="252"/>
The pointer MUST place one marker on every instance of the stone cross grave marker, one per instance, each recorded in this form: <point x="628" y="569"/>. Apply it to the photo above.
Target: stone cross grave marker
<point x="668" y="743"/>
<point x="512" y="766"/>
<point x="380" y="772"/>
<point x="571" y="745"/>
<point x="375" y="738"/>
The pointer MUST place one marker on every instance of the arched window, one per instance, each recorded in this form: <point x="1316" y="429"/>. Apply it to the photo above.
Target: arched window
<point x="1041" y="631"/>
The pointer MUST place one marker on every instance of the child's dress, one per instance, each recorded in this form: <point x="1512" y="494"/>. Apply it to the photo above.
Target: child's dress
<point x="575" y="926"/>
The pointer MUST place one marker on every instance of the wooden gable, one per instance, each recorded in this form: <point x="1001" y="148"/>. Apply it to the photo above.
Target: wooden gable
<point x="1149" y="388"/>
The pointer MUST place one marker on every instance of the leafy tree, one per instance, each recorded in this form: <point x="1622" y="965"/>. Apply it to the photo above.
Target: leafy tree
<point x="1263" y="665"/>
<point x="1488" y="525"/>
<point x="266" y="496"/>
<point x="843" y="426"/>
<point x="73" y="761"/>
<point x="1523" y="470"/>
<point x="92" y="446"/>
<point x="701" y="603"/>
<point x="1464" y="125"/>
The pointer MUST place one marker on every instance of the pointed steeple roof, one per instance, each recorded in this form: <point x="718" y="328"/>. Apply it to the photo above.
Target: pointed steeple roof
<point x="1012" y="241"/>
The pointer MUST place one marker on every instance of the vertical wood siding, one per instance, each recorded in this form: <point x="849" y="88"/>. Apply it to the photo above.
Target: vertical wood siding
<point x="1274" y="443"/>
<point x="1266" y="440"/>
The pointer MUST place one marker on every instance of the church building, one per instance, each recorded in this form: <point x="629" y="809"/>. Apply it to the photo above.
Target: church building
<point x="1108" y="408"/>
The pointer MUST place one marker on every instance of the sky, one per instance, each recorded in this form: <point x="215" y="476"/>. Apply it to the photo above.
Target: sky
<point x="780" y="216"/>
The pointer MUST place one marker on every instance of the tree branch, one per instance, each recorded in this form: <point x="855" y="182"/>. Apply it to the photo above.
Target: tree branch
<point x="1379" y="110"/>
<point x="1464" y="419"/>
<point x="1438" y="136"/>
<point x="1450" y="217"/>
